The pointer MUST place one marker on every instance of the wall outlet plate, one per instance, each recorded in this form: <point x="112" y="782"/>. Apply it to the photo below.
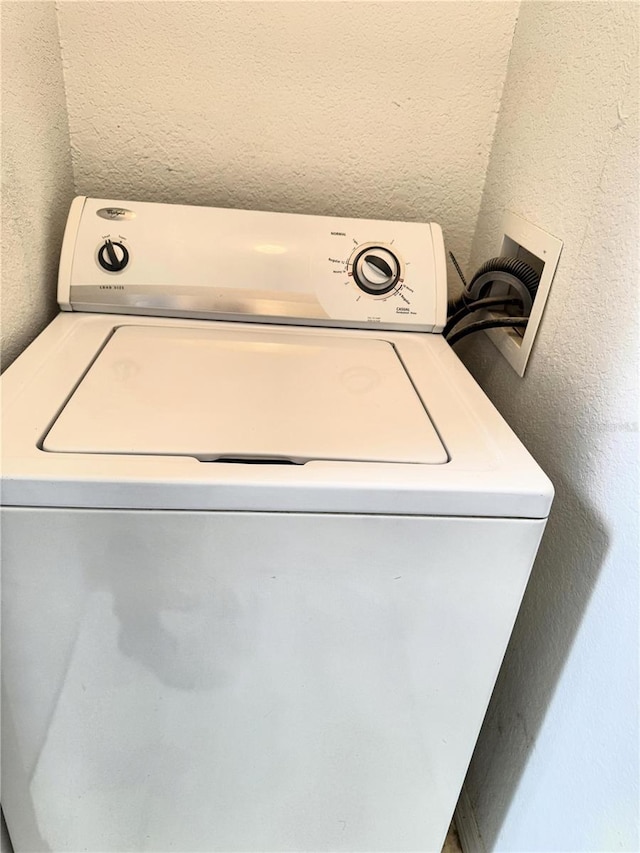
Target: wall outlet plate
<point x="521" y="239"/>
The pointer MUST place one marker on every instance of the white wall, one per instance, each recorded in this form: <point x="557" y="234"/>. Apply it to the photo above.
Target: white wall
<point x="556" y="767"/>
<point x="37" y="185"/>
<point x="358" y="109"/>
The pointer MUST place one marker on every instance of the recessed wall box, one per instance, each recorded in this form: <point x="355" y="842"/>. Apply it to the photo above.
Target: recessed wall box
<point x="521" y="239"/>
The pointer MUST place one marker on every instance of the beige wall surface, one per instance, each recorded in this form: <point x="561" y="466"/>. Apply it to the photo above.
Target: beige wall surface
<point x="556" y="767"/>
<point x="381" y="110"/>
<point x="37" y="184"/>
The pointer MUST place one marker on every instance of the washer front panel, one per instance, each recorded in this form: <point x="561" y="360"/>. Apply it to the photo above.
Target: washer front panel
<point x="204" y="681"/>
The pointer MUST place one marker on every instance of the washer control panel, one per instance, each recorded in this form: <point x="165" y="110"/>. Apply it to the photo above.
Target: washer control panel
<point x="175" y="260"/>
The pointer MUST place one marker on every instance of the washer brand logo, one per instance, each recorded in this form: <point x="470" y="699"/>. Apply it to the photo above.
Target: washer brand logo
<point x="115" y="213"/>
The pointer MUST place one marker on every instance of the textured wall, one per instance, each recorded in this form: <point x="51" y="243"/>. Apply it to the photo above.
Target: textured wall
<point x="355" y="109"/>
<point x="37" y="185"/>
<point x="556" y="767"/>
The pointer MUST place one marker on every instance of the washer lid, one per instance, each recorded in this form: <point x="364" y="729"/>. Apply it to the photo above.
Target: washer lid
<point x="245" y="395"/>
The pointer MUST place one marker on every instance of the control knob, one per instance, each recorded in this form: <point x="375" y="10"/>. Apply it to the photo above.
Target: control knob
<point x="113" y="257"/>
<point x="376" y="270"/>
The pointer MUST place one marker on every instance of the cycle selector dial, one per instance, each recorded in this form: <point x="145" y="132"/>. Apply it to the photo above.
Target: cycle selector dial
<point x="376" y="270"/>
<point x="113" y="257"/>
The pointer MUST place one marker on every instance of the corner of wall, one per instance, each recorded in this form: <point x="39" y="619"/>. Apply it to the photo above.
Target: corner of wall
<point x="37" y="179"/>
<point x="63" y="66"/>
<point x="466" y="825"/>
<point x="493" y="136"/>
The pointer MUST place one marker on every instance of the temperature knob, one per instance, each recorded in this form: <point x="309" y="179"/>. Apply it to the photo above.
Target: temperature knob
<point x="376" y="270"/>
<point x="113" y="257"/>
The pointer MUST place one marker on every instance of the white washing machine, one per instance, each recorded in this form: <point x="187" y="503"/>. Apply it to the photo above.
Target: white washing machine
<point x="264" y="540"/>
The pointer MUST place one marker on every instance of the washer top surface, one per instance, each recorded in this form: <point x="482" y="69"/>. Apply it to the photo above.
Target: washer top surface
<point x="253" y="395"/>
<point x="106" y="412"/>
